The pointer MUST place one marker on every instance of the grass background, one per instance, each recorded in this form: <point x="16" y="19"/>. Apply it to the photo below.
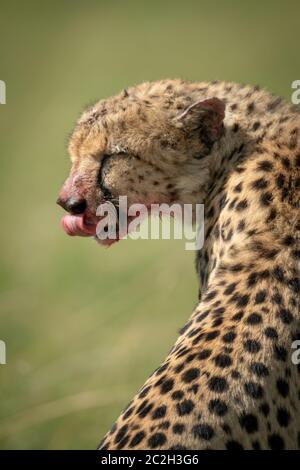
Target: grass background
<point x="85" y="326"/>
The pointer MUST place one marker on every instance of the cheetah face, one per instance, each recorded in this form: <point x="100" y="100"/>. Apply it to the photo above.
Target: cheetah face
<point x="131" y="146"/>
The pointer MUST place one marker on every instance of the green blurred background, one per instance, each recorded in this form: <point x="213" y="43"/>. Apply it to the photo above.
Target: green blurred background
<point x="84" y="326"/>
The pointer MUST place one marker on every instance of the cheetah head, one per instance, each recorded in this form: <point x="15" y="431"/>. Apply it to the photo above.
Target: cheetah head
<point x="150" y="143"/>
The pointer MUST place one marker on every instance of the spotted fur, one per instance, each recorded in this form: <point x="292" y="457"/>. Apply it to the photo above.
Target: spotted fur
<point x="229" y="381"/>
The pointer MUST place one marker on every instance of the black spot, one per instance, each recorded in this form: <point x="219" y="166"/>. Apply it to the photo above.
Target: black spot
<point x="223" y="360"/>
<point x="278" y="274"/>
<point x="241" y="225"/>
<point x="285" y="316"/>
<point x="229" y="337"/>
<point x="178" y="447"/>
<point x="242" y="300"/>
<point x="274" y="103"/>
<point x="232" y="203"/>
<point x="190" y="375"/>
<point x="242" y="205"/>
<point x="185" y="328"/>
<point x="217" y="407"/>
<point x="280" y="180"/>
<point x="164" y="425"/>
<point x="272" y="215"/>
<point x="280" y="353"/>
<point x="203" y="431"/>
<point x="217" y="322"/>
<point x="210" y="295"/>
<point x="265" y="165"/>
<point x="238" y="188"/>
<point x="234" y="445"/>
<point x="193" y="388"/>
<point x="264" y="409"/>
<point x="249" y="422"/>
<point x="288" y="240"/>
<point x="217" y="384"/>
<point x="123" y="442"/>
<point x="156" y="440"/>
<point x="286" y="163"/>
<point x="143" y="410"/>
<point x="238" y="316"/>
<point x="283" y="417"/>
<point x="190" y="357"/>
<point x="275" y="442"/>
<point x="113" y="428"/>
<point x="182" y="351"/>
<point x="296" y="254"/>
<point x="177" y="395"/>
<point x="161" y="369"/>
<point x="229" y="235"/>
<point x="256" y="445"/>
<point x="166" y="386"/>
<point x="226" y="428"/>
<point x="271" y="333"/>
<point x="294" y="285"/>
<point x="144" y="392"/>
<point x="250" y="108"/>
<point x="179" y="368"/>
<point x="121" y="433"/>
<point x="277" y="298"/>
<point x="184" y="407"/>
<point x="128" y="412"/>
<point x="266" y="198"/>
<point x="218" y="311"/>
<point x="254" y="319"/>
<point x="178" y="428"/>
<point x="202" y="316"/>
<point x="260" y="183"/>
<point x="235" y="375"/>
<point x="282" y="387"/>
<point x="230" y="288"/>
<point x="260" y="296"/>
<point x="253" y="389"/>
<point x="222" y="202"/>
<point x="212" y="335"/>
<point x="210" y="213"/>
<point x="137" y="438"/>
<point x="252" y="346"/>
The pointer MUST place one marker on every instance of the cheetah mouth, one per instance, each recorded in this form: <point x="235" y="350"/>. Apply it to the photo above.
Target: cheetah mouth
<point x="78" y="225"/>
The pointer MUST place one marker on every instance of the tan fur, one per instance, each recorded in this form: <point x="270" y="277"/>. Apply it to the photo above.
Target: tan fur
<point x="229" y="381"/>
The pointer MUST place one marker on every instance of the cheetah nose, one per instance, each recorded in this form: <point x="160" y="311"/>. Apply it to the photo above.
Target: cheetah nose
<point x="72" y="204"/>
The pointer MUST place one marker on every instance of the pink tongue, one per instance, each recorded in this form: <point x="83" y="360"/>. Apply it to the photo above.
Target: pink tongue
<point x="75" y="225"/>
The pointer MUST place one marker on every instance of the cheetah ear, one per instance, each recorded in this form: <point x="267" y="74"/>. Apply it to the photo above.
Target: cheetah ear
<point x="206" y="116"/>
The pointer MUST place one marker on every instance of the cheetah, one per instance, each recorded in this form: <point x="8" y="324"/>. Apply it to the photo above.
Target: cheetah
<point x="229" y="381"/>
